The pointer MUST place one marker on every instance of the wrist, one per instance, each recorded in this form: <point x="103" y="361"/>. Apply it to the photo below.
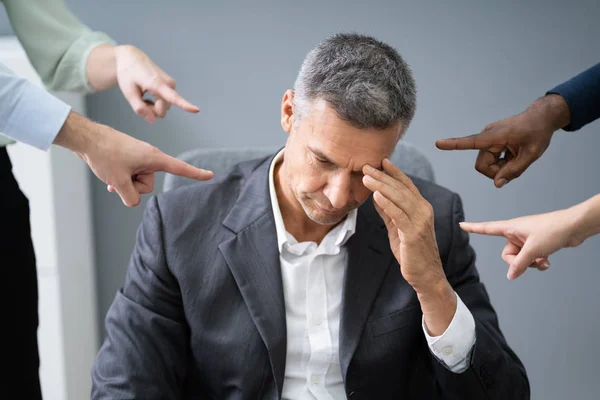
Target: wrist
<point x="75" y="134"/>
<point x="101" y="67"/>
<point x="585" y="221"/>
<point x="552" y="110"/>
<point x="438" y="303"/>
<point x="436" y="291"/>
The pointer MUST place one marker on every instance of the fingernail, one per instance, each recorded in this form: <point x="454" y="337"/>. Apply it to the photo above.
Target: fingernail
<point x="368" y="179"/>
<point x="509" y="276"/>
<point x="369" y="168"/>
<point x="502" y="182"/>
<point x="546" y="264"/>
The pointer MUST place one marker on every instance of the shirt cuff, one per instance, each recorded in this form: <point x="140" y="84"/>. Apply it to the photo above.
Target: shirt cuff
<point x="89" y="43"/>
<point x="71" y="73"/>
<point x="37" y="117"/>
<point x="453" y="348"/>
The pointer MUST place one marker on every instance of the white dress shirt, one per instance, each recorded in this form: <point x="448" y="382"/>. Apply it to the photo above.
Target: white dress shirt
<point x="312" y="286"/>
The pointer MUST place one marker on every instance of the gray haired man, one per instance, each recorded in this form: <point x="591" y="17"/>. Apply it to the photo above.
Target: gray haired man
<point x="321" y="272"/>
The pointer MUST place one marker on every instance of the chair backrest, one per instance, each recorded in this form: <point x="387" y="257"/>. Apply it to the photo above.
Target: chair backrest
<point x="221" y="161"/>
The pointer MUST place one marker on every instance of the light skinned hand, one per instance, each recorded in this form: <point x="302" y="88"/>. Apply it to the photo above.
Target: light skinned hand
<point x="127" y="165"/>
<point x="530" y="240"/>
<point x="138" y="74"/>
<point x="509" y="146"/>
<point x="409" y="220"/>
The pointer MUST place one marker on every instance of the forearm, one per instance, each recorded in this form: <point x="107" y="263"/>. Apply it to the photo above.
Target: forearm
<point x="587" y="220"/>
<point x="582" y="94"/>
<point x="56" y="42"/>
<point x="77" y="134"/>
<point x="438" y="303"/>
<point x="101" y="67"/>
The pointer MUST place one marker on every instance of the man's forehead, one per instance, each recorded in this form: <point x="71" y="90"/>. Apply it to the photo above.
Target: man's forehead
<point x="347" y="157"/>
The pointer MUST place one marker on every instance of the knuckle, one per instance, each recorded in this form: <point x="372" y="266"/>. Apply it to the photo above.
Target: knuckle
<point x="480" y="168"/>
<point x="428" y="211"/>
<point x="140" y="109"/>
<point x="511" y="233"/>
<point x="514" y="171"/>
<point x="154" y="82"/>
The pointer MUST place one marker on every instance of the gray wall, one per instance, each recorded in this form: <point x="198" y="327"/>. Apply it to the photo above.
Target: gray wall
<point x="474" y="62"/>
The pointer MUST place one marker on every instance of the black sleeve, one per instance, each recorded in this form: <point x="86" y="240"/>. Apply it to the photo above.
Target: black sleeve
<point x="582" y="94"/>
<point x="144" y="355"/>
<point x="495" y="371"/>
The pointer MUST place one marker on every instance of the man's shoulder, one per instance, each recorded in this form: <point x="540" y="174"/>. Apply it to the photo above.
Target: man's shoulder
<point x="212" y="198"/>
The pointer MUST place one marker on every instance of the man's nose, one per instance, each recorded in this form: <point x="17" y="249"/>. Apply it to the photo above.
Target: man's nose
<point x="338" y="191"/>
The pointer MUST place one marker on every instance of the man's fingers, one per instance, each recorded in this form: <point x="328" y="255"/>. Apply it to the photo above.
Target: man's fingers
<point x="133" y="94"/>
<point x="541" y="264"/>
<point x="478" y="141"/>
<point x="392" y="176"/>
<point x="471" y="142"/>
<point x="128" y="193"/>
<point x="493" y="228"/>
<point x="397" y="216"/>
<point x="398" y="194"/>
<point x="389" y="224"/>
<point x="166" y="163"/>
<point x="513" y="169"/>
<point x="391" y="169"/>
<point x="144" y="183"/>
<point x="161" y="107"/>
<point x="520" y="263"/>
<point x="168" y="79"/>
<point x="169" y="94"/>
<point x="487" y="162"/>
<point x="510" y="251"/>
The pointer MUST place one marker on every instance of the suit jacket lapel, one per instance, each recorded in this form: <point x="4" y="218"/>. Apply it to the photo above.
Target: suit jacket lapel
<point x="369" y="258"/>
<point x="253" y="258"/>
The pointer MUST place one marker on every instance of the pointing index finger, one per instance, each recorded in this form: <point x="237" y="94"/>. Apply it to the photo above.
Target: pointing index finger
<point x="478" y="141"/>
<point x="174" y="166"/>
<point x="493" y="228"/>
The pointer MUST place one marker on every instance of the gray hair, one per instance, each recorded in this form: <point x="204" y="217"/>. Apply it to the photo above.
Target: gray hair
<point x="364" y="80"/>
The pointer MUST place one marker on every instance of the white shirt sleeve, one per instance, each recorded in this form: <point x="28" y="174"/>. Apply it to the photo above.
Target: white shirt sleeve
<point x="28" y="113"/>
<point x="453" y="348"/>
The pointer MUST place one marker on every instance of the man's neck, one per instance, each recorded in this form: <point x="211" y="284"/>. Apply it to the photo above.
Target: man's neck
<point x="295" y="220"/>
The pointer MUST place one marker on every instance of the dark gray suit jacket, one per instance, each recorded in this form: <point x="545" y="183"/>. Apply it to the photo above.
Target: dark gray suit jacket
<point x="202" y="315"/>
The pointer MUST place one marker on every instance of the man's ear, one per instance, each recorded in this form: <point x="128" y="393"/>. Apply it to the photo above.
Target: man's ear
<point x="287" y="111"/>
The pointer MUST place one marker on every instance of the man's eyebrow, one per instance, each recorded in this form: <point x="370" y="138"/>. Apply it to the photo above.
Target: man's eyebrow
<point x="320" y="155"/>
<point x="323" y="157"/>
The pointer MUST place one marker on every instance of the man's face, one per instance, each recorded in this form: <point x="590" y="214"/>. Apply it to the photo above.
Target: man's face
<point x="323" y="160"/>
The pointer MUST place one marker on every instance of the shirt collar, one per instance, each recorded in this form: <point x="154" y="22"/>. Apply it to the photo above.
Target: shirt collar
<point x="337" y="236"/>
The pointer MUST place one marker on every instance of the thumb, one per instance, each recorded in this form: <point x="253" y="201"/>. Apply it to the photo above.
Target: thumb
<point x="513" y="169"/>
<point x="522" y="260"/>
<point x="129" y="195"/>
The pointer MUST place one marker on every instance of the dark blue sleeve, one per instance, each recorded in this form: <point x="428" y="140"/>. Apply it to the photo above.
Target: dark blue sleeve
<point x="582" y="94"/>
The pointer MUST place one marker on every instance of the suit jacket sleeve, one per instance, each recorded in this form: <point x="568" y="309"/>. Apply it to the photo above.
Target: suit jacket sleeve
<point x="495" y="372"/>
<point x="582" y="94"/>
<point x="144" y="355"/>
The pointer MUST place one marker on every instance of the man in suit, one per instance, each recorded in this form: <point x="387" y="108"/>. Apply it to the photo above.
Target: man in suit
<point x="288" y="279"/>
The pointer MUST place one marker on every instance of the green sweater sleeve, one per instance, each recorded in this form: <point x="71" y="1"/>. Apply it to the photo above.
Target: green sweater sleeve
<point x="56" y="42"/>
